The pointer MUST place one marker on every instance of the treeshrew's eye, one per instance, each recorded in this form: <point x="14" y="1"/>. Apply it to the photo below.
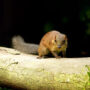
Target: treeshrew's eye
<point x="63" y="41"/>
<point x="55" y="40"/>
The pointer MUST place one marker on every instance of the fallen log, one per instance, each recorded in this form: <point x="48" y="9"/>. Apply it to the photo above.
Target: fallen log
<point x="26" y="72"/>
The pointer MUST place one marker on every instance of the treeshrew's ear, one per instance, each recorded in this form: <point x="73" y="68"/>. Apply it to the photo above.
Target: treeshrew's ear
<point x="65" y="37"/>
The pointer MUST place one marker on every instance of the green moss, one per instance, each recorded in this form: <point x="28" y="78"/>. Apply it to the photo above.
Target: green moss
<point x="88" y="73"/>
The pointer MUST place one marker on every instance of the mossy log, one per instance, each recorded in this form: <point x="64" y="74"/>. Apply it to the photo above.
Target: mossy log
<point x="26" y="72"/>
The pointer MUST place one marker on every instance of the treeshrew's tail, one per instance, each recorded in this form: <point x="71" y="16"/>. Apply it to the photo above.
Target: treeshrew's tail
<point x="18" y="43"/>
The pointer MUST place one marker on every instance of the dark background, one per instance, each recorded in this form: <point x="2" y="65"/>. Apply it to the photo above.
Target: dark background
<point x="32" y="19"/>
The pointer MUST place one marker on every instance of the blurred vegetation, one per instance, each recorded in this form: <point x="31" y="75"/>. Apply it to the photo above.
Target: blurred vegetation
<point x="85" y="18"/>
<point x="48" y="26"/>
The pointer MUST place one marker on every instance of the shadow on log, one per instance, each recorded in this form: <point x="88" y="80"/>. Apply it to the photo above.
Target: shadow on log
<point x="26" y="72"/>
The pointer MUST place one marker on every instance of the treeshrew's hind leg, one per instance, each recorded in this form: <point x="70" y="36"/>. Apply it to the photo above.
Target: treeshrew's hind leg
<point x="43" y="52"/>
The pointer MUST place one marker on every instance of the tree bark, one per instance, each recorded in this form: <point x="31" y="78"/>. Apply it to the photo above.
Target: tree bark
<point x="26" y="72"/>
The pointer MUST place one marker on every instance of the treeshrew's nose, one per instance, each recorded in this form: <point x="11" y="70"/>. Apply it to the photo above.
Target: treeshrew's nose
<point x="59" y="46"/>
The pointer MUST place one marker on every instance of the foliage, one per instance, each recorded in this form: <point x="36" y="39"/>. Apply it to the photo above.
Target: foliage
<point x="88" y="83"/>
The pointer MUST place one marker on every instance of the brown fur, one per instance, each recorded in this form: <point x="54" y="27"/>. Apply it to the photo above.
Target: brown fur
<point x="50" y="43"/>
